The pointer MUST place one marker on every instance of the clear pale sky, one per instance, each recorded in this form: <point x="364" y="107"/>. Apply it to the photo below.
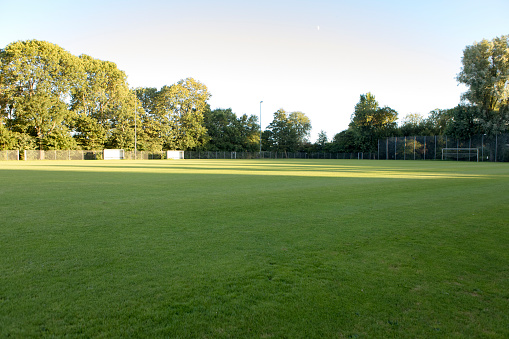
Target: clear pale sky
<point x="317" y="57"/>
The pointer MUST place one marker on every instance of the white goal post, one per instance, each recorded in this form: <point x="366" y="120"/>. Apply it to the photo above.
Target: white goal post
<point x="174" y="154"/>
<point x="460" y="154"/>
<point x="113" y="154"/>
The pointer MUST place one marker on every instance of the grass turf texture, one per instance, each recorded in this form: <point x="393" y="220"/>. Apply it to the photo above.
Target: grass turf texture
<point x="248" y="248"/>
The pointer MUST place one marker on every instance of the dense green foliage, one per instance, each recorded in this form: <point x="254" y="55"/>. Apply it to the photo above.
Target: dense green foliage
<point x="227" y="132"/>
<point x="50" y="99"/>
<point x="486" y="73"/>
<point x="371" y="122"/>
<point x="485" y="109"/>
<point x="236" y="249"/>
<point x="287" y="132"/>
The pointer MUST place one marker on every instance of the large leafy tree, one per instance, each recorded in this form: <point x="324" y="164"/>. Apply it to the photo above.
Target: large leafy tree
<point x="122" y="123"/>
<point x="147" y="97"/>
<point x="485" y="72"/>
<point x="37" y="78"/>
<point x="322" y="139"/>
<point x="250" y="132"/>
<point x="180" y="109"/>
<point x="288" y="132"/>
<point x="300" y="126"/>
<point x="413" y="124"/>
<point x="47" y="95"/>
<point x="151" y="126"/>
<point x="344" y="142"/>
<point x="436" y="122"/>
<point x="463" y="122"/>
<point x="227" y="132"/>
<point x="222" y="130"/>
<point x="7" y="137"/>
<point x="371" y="122"/>
<point x="103" y="106"/>
<point x="279" y="132"/>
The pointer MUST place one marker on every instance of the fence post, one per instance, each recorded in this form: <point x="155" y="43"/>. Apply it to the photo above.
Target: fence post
<point x="496" y="146"/>
<point x="414" y="147"/>
<point x="395" y="151"/>
<point x="469" y="146"/>
<point x="404" y="151"/>
<point x="435" y="147"/>
<point x="387" y="149"/>
<point x="424" y="147"/>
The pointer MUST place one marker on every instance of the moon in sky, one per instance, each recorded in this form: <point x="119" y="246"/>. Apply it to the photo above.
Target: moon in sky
<point x="318" y="28"/>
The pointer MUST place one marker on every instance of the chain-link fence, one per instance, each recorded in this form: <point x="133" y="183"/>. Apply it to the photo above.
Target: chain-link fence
<point x="78" y="155"/>
<point x="144" y="155"/>
<point x="488" y="148"/>
<point x="62" y="155"/>
<point x="276" y="155"/>
<point x="476" y="148"/>
<point x="9" y="155"/>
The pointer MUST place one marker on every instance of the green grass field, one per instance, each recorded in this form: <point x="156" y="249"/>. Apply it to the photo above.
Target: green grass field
<point x="256" y="249"/>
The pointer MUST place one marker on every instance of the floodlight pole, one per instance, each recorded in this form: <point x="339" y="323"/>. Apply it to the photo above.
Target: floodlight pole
<point x="261" y="129"/>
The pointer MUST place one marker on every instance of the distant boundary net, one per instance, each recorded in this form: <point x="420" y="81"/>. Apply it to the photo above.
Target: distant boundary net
<point x="143" y="155"/>
<point x="486" y="148"/>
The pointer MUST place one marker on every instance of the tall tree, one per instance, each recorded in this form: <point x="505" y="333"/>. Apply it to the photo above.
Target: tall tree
<point x="485" y="72"/>
<point x="288" y="132"/>
<point x="463" y="122"/>
<point x="322" y="141"/>
<point x="37" y="78"/>
<point x="371" y="122"/>
<point x="436" y="122"/>
<point x="147" y="97"/>
<point x="151" y="127"/>
<point x="250" y="132"/>
<point x="100" y="100"/>
<point x="279" y="137"/>
<point x="345" y="142"/>
<point x="413" y="124"/>
<point x="122" y="123"/>
<point x="222" y="131"/>
<point x="300" y="127"/>
<point x="180" y="107"/>
<point x="7" y="137"/>
<point x="227" y="132"/>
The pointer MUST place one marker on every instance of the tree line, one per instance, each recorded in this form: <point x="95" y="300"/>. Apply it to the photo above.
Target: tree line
<point x="51" y="99"/>
<point x="484" y="107"/>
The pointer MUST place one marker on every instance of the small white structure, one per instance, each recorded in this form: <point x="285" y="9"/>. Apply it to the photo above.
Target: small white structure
<point x="175" y="155"/>
<point x="113" y="154"/>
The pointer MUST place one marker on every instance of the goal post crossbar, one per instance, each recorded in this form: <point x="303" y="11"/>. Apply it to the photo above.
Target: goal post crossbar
<point x="460" y="152"/>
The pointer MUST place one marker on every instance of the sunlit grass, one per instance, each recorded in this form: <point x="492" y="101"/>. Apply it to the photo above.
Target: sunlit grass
<point x="248" y="248"/>
<point x="267" y="167"/>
